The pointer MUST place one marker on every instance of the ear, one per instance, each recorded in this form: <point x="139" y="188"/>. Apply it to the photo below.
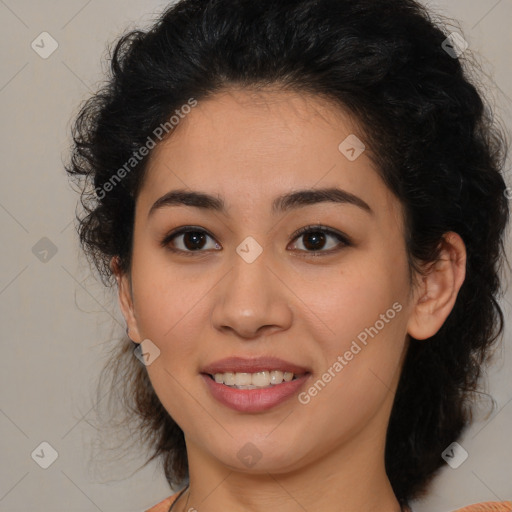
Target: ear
<point x="126" y="300"/>
<point x="436" y="295"/>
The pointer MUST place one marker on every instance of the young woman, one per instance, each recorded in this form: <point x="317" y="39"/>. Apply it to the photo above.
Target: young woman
<point x="302" y="205"/>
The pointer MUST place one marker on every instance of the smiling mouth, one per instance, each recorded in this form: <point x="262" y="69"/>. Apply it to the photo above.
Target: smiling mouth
<point x="258" y="380"/>
<point x="254" y="392"/>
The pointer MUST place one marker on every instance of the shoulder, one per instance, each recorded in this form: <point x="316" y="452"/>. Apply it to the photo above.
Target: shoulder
<point x="488" y="506"/>
<point x="163" y="506"/>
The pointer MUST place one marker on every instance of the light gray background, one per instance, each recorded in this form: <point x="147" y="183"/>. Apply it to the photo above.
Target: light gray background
<point x="56" y="319"/>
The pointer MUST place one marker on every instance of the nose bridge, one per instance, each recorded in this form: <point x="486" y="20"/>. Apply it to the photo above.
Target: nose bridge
<point x="251" y="297"/>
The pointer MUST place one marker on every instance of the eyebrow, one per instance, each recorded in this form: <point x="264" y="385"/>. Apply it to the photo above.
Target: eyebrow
<point x="281" y="204"/>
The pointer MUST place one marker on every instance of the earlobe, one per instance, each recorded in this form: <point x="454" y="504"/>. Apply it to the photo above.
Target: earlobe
<point x="125" y="300"/>
<point x="436" y="296"/>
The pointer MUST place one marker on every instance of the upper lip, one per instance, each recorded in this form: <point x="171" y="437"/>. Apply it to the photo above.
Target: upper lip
<point x="252" y="365"/>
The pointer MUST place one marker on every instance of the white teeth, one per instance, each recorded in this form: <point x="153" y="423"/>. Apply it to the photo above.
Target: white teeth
<point x="229" y="378"/>
<point x="244" y="380"/>
<point x="260" y="379"/>
<point x="276" y="377"/>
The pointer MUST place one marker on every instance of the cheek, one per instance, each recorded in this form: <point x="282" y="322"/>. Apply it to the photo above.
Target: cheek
<point x="358" y="377"/>
<point x="165" y="300"/>
<point x="365" y="312"/>
<point x="352" y="297"/>
<point x="175" y="324"/>
<point x="172" y="314"/>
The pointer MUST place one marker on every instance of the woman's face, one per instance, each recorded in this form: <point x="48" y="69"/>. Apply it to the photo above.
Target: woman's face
<point x="242" y="284"/>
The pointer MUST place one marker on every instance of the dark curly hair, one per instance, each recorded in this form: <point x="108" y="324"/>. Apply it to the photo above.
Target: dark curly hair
<point x="430" y="131"/>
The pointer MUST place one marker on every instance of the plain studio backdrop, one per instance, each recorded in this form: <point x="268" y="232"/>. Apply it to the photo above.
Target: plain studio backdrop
<point x="57" y="319"/>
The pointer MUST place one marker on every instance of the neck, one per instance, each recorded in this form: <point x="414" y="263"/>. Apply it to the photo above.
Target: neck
<point x="350" y="477"/>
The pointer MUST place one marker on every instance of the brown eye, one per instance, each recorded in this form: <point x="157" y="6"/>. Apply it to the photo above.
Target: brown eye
<point x="192" y="240"/>
<point x="316" y="239"/>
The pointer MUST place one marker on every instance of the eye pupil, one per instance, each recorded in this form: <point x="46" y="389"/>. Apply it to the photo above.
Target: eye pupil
<point x="195" y="235"/>
<point x="314" y="236"/>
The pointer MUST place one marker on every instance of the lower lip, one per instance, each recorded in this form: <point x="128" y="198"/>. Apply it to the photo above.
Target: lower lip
<point x="254" y="400"/>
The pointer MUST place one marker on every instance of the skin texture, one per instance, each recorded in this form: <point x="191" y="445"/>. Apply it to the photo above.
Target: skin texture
<point x="249" y="148"/>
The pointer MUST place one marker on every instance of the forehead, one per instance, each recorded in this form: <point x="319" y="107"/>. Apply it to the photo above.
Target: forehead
<point x="248" y="119"/>
<point x="253" y="145"/>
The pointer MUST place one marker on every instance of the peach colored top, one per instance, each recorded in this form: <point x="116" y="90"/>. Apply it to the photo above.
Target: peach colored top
<point x="488" y="506"/>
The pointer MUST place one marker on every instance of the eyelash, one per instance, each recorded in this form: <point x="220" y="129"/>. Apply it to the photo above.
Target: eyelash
<point x="316" y="228"/>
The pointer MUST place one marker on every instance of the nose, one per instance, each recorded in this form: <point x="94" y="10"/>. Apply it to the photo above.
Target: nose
<point x="251" y="300"/>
